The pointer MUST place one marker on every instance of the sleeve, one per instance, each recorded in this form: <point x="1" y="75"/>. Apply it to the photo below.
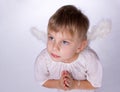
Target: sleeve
<point x="94" y="69"/>
<point x="40" y="69"/>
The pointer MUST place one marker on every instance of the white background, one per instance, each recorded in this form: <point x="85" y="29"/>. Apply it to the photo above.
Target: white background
<point x="19" y="48"/>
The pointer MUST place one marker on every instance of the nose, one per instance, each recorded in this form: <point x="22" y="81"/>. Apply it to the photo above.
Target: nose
<point x="56" y="46"/>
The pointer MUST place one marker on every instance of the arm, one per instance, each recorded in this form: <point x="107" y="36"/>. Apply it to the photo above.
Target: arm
<point x="76" y="84"/>
<point x="83" y="84"/>
<point x="58" y="83"/>
<point x="67" y="82"/>
<point x="51" y="83"/>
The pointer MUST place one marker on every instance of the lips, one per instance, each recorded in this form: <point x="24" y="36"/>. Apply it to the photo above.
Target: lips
<point x="54" y="55"/>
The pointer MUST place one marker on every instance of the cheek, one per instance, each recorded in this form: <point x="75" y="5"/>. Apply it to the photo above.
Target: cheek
<point x="69" y="52"/>
<point x="49" y="46"/>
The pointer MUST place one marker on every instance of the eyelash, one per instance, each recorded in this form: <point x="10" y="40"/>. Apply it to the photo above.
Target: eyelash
<point x="65" y="42"/>
<point x="50" y="38"/>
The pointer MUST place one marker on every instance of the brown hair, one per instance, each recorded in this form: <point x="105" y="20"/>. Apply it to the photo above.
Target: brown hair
<point x="69" y="18"/>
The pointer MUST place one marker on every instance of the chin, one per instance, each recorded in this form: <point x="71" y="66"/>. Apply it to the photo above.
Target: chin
<point x="57" y="60"/>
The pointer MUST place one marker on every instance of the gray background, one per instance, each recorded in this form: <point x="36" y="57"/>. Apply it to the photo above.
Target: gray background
<point x="19" y="48"/>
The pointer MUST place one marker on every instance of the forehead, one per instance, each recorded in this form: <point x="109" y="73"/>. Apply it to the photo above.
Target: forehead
<point x="62" y="34"/>
<point x="63" y="30"/>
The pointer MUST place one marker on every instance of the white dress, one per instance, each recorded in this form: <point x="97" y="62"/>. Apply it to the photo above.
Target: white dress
<point x="86" y="67"/>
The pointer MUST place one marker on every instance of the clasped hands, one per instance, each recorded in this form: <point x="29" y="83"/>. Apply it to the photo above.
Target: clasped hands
<point x="66" y="81"/>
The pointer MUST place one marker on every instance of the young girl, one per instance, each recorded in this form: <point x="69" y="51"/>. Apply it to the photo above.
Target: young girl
<point x="68" y="64"/>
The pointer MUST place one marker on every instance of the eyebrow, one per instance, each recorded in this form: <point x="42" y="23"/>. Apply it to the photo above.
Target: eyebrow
<point x="66" y="39"/>
<point x="49" y="33"/>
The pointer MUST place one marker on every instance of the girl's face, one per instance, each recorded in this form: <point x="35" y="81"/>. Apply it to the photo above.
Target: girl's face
<point x="62" y="47"/>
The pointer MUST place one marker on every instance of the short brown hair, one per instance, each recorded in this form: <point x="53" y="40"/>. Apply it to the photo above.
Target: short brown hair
<point x="71" y="19"/>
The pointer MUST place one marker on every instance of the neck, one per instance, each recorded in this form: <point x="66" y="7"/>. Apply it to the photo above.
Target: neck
<point x="72" y="59"/>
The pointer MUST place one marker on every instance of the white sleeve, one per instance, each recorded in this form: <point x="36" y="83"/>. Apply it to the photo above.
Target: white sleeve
<point x="40" y="68"/>
<point x="94" y="69"/>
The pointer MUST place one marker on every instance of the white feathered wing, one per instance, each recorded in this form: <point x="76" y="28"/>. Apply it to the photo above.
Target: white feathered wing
<point x="40" y="35"/>
<point x="98" y="31"/>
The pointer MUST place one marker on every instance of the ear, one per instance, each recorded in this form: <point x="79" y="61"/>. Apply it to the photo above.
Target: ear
<point x="82" y="46"/>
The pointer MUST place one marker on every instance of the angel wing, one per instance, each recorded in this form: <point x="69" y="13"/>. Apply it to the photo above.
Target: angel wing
<point x="40" y="35"/>
<point x="100" y="30"/>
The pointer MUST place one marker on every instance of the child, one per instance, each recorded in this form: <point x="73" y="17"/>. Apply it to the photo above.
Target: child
<point x="68" y="64"/>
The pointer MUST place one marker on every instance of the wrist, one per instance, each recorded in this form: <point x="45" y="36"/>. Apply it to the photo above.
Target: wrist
<point x="77" y="84"/>
<point x="58" y="84"/>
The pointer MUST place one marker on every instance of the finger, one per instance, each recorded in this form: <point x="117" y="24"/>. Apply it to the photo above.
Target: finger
<point x="63" y="72"/>
<point x="66" y="72"/>
<point x="67" y="76"/>
<point x="67" y="82"/>
<point x="66" y="88"/>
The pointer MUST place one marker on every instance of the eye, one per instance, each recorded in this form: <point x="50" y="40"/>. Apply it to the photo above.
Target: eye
<point x="50" y="38"/>
<point x="65" y="42"/>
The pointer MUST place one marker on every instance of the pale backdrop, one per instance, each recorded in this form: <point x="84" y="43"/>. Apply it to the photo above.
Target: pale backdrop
<point x="19" y="48"/>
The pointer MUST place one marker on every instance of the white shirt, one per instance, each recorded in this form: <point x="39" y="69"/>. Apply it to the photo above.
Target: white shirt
<point x="85" y="67"/>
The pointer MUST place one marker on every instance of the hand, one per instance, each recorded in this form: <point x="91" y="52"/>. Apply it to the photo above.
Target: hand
<point x="68" y="81"/>
<point x="62" y="84"/>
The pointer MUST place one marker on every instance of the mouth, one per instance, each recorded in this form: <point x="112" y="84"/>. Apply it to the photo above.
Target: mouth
<point x="54" y="55"/>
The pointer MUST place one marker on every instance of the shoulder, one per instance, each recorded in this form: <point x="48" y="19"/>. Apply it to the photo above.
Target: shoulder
<point x="43" y="53"/>
<point x="43" y="56"/>
<point x="91" y="61"/>
<point x="89" y="54"/>
<point x="89" y="57"/>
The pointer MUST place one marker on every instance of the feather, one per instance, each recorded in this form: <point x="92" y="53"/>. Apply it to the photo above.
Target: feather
<point x="40" y="35"/>
<point x="100" y="30"/>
